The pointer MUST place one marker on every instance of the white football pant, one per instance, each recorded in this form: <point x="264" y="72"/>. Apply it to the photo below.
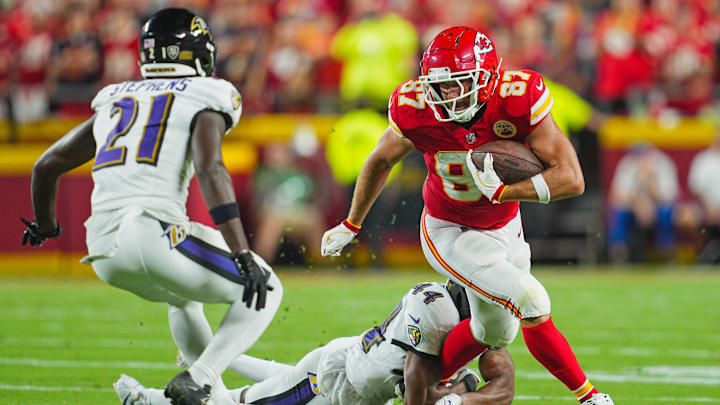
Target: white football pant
<point x="494" y="268"/>
<point x="183" y="264"/>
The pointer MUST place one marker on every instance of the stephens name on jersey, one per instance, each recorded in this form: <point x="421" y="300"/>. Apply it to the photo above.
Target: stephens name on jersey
<point x="520" y="102"/>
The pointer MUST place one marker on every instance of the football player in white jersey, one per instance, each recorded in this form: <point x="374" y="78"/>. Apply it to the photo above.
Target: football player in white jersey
<point x="397" y="357"/>
<point x="148" y="137"/>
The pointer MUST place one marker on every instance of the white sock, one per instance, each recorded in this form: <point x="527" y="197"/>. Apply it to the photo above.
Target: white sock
<point x="258" y="369"/>
<point x="190" y="329"/>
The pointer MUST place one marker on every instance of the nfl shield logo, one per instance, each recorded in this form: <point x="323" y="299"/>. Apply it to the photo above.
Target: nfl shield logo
<point x="173" y="51"/>
<point x="470" y="138"/>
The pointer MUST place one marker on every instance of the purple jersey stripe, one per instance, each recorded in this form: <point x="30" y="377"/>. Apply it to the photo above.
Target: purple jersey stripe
<point x="209" y="256"/>
<point x="297" y="395"/>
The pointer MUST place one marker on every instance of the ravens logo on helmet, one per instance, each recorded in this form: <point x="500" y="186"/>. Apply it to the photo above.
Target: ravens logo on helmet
<point x="176" y="42"/>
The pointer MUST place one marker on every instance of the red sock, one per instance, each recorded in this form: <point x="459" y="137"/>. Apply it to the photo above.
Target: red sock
<point x="550" y="348"/>
<point x="459" y="349"/>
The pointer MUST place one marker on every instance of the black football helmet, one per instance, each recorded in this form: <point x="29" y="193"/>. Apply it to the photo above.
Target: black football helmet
<point x="176" y="42"/>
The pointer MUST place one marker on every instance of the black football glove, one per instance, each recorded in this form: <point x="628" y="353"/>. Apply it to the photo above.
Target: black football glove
<point x="255" y="279"/>
<point x="34" y="237"/>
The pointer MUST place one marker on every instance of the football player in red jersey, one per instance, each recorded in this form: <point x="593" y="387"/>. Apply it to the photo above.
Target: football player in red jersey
<point x="471" y="229"/>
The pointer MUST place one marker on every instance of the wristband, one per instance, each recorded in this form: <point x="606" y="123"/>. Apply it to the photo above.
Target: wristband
<point x="224" y="213"/>
<point x="541" y="188"/>
<point x="498" y="194"/>
<point x="349" y="225"/>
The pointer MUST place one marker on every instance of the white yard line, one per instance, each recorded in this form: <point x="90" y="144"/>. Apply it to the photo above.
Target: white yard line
<point x="703" y="400"/>
<point x="102" y="343"/>
<point x="634" y="352"/>
<point x="633" y="377"/>
<point x="142" y="365"/>
<point x="10" y="387"/>
<point x="519" y="397"/>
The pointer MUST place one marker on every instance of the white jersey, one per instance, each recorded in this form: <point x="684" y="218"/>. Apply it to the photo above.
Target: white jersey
<point x="142" y="131"/>
<point x="420" y="324"/>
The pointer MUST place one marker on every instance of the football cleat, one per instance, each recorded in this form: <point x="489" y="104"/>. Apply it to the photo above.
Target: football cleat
<point x="130" y="391"/>
<point x="182" y="390"/>
<point x="598" y="399"/>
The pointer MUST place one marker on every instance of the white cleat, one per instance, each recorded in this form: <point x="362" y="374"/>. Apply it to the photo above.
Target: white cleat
<point x="130" y="391"/>
<point x="598" y="399"/>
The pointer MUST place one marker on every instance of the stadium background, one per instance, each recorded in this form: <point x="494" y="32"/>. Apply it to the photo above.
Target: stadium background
<point x="623" y="72"/>
<point x="315" y="76"/>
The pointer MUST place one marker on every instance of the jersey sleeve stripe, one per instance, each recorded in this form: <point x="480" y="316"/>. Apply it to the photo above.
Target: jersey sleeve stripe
<point x="542" y="112"/>
<point x="541" y="101"/>
<point x="409" y="348"/>
<point x="394" y="127"/>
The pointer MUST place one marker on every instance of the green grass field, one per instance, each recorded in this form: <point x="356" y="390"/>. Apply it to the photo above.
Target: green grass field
<point x="646" y="336"/>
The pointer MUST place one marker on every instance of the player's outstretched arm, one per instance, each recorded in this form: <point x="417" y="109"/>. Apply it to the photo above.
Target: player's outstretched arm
<point x="563" y="176"/>
<point x="70" y="151"/>
<point x="219" y="195"/>
<point x="390" y="150"/>
<point x="497" y="369"/>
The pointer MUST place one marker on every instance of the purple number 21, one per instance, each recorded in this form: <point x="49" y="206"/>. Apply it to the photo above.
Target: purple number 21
<point x="151" y="141"/>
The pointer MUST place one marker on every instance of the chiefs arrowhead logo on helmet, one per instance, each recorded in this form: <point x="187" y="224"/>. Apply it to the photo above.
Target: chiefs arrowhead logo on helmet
<point x="482" y="44"/>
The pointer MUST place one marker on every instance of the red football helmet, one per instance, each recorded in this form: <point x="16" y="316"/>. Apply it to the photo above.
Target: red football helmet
<point x="456" y="55"/>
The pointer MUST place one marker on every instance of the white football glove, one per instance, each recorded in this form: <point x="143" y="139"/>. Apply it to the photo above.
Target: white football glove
<point x="486" y="180"/>
<point x="336" y="239"/>
<point x="449" y="399"/>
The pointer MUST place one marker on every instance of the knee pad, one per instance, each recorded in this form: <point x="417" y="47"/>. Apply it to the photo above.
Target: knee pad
<point x="498" y="331"/>
<point x="534" y="300"/>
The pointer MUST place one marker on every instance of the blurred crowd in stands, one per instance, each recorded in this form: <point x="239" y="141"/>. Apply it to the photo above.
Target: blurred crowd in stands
<point x="642" y="58"/>
<point x="626" y="56"/>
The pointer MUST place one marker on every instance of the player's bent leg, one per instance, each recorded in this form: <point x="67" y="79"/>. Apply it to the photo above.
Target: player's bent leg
<point x="191" y="262"/>
<point x="493" y="325"/>
<point x="190" y="329"/>
<point x="332" y="372"/>
<point x="122" y="267"/>
<point x="298" y="385"/>
<point x="258" y="369"/>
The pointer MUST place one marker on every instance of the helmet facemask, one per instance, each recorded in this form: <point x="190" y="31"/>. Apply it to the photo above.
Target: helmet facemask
<point x="479" y="79"/>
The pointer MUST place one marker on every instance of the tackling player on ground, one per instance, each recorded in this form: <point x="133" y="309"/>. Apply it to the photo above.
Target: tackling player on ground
<point x="148" y="138"/>
<point x="471" y="229"/>
<point x="400" y="356"/>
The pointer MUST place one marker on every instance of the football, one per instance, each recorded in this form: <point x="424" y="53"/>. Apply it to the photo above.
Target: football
<point x="512" y="161"/>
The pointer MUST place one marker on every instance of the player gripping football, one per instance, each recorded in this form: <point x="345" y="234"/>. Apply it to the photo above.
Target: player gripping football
<point x="471" y="229"/>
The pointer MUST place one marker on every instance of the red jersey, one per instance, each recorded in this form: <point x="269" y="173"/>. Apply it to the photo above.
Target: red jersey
<point x="520" y="102"/>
